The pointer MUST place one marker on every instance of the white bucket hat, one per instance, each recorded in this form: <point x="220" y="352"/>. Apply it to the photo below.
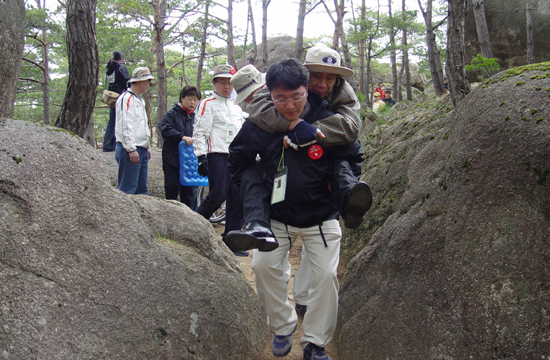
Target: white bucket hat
<point x="140" y="74"/>
<point x="245" y="81"/>
<point x="321" y="58"/>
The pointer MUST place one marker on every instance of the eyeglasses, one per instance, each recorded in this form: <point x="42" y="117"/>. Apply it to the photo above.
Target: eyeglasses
<point x="293" y="99"/>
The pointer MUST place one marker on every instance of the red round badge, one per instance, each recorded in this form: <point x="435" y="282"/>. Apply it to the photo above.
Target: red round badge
<point x="232" y="70"/>
<point x="315" y="152"/>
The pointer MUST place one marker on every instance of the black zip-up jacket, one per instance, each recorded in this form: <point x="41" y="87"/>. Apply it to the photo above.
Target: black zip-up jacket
<point x="307" y="199"/>
<point x="175" y="124"/>
<point x="117" y="76"/>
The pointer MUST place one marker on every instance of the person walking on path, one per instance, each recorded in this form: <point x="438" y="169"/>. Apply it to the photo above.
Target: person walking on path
<point x="117" y="77"/>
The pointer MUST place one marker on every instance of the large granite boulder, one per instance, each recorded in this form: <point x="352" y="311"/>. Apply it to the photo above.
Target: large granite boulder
<point x="506" y="21"/>
<point x="88" y="272"/>
<point x="457" y="266"/>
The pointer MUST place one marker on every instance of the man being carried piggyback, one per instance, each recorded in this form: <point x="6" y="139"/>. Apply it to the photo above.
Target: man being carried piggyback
<point x="352" y="197"/>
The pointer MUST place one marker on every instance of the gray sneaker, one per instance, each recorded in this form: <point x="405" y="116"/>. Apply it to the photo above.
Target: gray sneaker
<point x="282" y="344"/>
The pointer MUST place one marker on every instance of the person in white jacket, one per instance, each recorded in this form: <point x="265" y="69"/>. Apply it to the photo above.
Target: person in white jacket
<point x="217" y="121"/>
<point x="132" y="135"/>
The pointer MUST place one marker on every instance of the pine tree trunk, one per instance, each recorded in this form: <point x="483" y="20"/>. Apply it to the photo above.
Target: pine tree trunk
<point x="230" y="44"/>
<point x="78" y="105"/>
<point x="299" y="48"/>
<point x="362" y="80"/>
<point x="45" y="70"/>
<point x="456" y="51"/>
<point x="253" y="28"/>
<point x="340" y="10"/>
<point x="393" y="58"/>
<point x="12" y="31"/>
<point x="530" y="43"/>
<point x="265" y="4"/>
<point x="434" y="57"/>
<point x="399" y="96"/>
<point x="158" y="41"/>
<point x="406" y="58"/>
<point x="203" y="44"/>
<point x="482" y="30"/>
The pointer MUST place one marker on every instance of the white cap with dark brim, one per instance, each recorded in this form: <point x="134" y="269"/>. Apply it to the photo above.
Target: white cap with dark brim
<point x="321" y="58"/>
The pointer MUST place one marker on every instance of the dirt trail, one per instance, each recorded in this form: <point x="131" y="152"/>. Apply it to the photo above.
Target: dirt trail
<point x="294" y="259"/>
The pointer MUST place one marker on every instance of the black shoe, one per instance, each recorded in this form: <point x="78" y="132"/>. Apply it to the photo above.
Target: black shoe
<point x="253" y="236"/>
<point x="314" y="352"/>
<point x="301" y="309"/>
<point x="359" y="202"/>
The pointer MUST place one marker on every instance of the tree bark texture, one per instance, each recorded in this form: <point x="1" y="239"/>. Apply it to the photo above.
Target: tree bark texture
<point x="203" y="44"/>
<point x="78" y="105"/>
<point x="265" y="4"/>
<point x="406" y="56"/>
<point x="362" y="41"/>
<point x="456" y="51"/>
<point x="393" y="57"/>
<point x="45" y="70"/>
<point x="434" y="57"/>
<point x="253" y="30"/>
<point x="159" y="7"/>
<point x="529" y="23"/>
<point x="230" y="44"/>
<point x="12" y="31"/>
<point x="399" y="96"/>
<point x="340" y="12"/>
<point x="482" y="30"/>
<point x="299" y="47"/>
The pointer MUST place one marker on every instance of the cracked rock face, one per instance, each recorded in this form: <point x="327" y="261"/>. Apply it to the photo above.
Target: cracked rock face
<point x="89" y="272"/>
<point x="455" y="264"/>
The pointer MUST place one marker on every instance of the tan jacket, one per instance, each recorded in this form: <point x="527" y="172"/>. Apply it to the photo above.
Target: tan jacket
<point x="340" y="129"/>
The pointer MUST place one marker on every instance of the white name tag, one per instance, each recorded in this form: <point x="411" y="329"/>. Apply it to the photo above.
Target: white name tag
<point x="279" y="186"/>
<point x="230" y="132"/>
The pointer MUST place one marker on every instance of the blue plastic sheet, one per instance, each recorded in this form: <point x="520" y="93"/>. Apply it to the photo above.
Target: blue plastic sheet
<point x="189" y="175"/>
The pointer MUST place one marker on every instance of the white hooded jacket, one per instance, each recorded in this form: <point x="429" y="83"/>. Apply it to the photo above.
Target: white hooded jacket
<point x="213" y="117"/>
<point x="131" y="127"/>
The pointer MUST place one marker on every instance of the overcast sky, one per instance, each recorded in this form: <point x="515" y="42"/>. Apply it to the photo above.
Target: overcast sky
<point x="283" y="17"/>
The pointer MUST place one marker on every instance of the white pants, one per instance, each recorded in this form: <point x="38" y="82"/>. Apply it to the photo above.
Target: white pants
<point x="302" y="279"/>
<point x="271" y="275"/>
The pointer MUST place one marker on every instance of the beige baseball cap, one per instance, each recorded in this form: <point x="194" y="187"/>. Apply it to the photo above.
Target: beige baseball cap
<point x="141" y="74"/>
<point x="321" y="58"/>
<point x="224" y="71"/>
<point x="245" y="81"/>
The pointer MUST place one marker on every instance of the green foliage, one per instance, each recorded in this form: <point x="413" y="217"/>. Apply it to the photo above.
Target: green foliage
<point x="484" y="67"/>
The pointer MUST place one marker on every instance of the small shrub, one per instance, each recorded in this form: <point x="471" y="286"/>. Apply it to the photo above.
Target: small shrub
<point x="484" y="66"/>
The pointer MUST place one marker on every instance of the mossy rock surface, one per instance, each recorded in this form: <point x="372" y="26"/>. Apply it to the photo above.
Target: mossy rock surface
<point x="450" y="260"/>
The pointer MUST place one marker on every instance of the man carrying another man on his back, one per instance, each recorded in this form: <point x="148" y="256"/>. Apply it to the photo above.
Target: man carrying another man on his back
<point x="132" y="135"/>
<point x="304" y="209"/>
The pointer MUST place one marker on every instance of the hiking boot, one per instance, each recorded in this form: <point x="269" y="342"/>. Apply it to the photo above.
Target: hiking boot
<point x="301" y="309"/>
<point x="359" y="202"/>
<point x="253" y="236"/>
<point x="281" y="344"/>
<point x="314" y="352"/>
